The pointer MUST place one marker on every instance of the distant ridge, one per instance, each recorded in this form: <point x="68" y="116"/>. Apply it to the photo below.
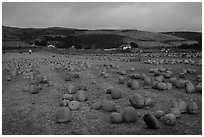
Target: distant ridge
<point x="99" y="38"/>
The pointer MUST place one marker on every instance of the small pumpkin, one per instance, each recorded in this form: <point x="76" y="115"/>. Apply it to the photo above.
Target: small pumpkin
<point x="161" y="86"/>
<point x="64" y="103"/>
<point x="63" y="115"/>
<point x="154" y="84"/>
<point x="108" y="106"/>
<point x="169" y="119"/>
<point x="67" y="97"/>
<point x="96" y="105"/>
<point x="182" y="106"/>
<point x="74" y="105"/>
<point x="116" y="94"/>
<point x="148" y="101"/>
<point x="109" y="90"/>
<point x="176" y="112"/>
<point x="81" y="95"/>
<point x="135" y="84"/>
<point x="72" y="89"/>
<point x="180" y="83"/>
<point x="147" y="81"/>
<point x="121" y="80"/>
<point x="159" y="79"/>
<point x="199" y="88"/>
<point x="158" y="114"/>
<point x="174" y="104"/>
<point x="169" y="86"/>
<point x="82" y="86"/>
<point x="190" y="88"/>
<point x="192" y="107"/>
<point x="33" y="89"/>
<point x="116" y="117"/>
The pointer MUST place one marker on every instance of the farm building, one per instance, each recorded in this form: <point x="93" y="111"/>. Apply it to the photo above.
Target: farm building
<point x="51" y="46"/>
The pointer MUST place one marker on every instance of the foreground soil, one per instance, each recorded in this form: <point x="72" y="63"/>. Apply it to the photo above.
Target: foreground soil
<point x="24" y="113"/>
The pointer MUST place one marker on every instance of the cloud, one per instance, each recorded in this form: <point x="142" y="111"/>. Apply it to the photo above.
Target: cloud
<point x="144" y="16"/>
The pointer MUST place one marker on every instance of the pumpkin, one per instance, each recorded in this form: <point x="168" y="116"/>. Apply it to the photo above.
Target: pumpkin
<point x="64" y="103"/>
<point x="154" y="84"/>
<point x="137" y="101"/>
<point x="96" y="105"/>
<point x="129" y="83"/>
<point x="180" y="83"/>
<point x="190" y="88"/>
<point x="63" y="115"/>
<point x="182" y="106"/>
<point x="169" y="119"/>
<point x="82" y="87"/>
<point x="176" y="112"/>
<point x="74" y="105"/>
<point x="173" y="81"/>
<point x="116" y="94"/>
<point x="38" y="79"/>
<point x="174" y="104"/>
<point x="109" y="90"/>
<point x="161" y="86"/>
<point x="81" y="95"/>
<point x="26" y="88"/>
<point x="33" y="89"/>
<point x="135" y="84"/>
<point x="116" y="117"/>
<point x="151" y="121"/>
<point x="130" y="114"/>
<point x="159" y="79"/>
<point x="169" y="86"/>
<point x="67" y="97"/>
<point x="182" y="75"/>
<point x="108" y="106"/>
<point x="199" y="88"/>
<point x="50" y="83"/>
<point x="158" y="114"/>
<point x="147" y="81"/>
<point x="45" y="80"/>
<point x="148" y="101"/>
<point x="121" y="80"/>
<point x="118" y="109"/>
<point x="192" y="107"/>
<point x="71" y="89"/>
<point x="135" y="76"/>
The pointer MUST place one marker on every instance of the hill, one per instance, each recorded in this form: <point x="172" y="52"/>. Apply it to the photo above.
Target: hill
<point x="195" y="36"/>
<point x="91" y="39"/>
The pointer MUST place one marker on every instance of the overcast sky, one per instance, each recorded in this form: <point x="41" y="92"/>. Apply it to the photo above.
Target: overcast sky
<point x="142" y="16"/>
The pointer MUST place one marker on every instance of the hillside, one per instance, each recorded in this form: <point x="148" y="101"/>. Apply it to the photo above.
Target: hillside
<point x="91" y="39"/>
<point x="195" y="36"/>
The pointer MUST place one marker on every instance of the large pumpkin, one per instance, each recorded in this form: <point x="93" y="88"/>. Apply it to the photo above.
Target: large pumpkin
<point x="151" y="121"/>
<point x="130" y="114"/>
<point x="137" y="101"/>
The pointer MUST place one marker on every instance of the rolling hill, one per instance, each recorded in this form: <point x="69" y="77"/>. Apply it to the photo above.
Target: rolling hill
<point x="94" y="39"/>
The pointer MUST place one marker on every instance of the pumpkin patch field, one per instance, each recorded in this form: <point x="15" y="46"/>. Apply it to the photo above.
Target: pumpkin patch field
<point x="46" y="93"/>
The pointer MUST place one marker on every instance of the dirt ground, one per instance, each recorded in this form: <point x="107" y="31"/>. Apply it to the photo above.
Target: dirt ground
<point x="24" y="113"/>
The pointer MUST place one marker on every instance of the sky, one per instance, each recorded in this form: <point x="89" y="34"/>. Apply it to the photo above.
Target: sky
<point x="167" y="16"/>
